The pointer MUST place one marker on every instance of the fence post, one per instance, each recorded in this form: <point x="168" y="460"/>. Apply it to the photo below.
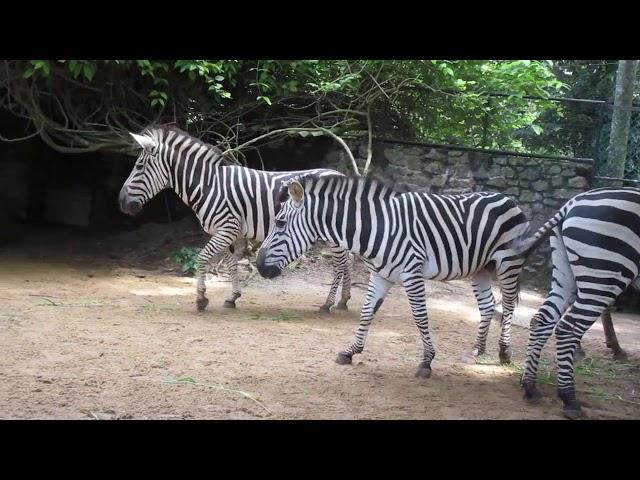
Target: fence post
<point x="485" y="125"/>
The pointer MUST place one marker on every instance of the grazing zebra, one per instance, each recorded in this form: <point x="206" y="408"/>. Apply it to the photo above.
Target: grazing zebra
<point x="404" y="238"/>
<point x="596" y="255"/>
<point x="231" y="202"/>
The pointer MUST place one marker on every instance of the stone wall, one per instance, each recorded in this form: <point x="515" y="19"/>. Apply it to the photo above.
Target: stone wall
<point x="539" y="185"/>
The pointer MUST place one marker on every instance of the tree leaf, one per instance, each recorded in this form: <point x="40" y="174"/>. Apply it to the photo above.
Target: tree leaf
<point x="89" y="70"/>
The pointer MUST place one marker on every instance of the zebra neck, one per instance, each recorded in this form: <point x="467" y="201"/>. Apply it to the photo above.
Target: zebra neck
<point x="352" y="217"/>
<point x="193" y="178"/>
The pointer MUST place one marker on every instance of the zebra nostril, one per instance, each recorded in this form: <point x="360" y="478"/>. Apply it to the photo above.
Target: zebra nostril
<point x="134" y="207"/>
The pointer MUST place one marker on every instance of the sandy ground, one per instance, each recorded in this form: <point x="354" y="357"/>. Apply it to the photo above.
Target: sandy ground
<point x="83" y="339"/>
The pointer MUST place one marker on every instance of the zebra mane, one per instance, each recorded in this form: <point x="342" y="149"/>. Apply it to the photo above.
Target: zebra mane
<point x="308" y="180"/>
<point x="163" y="129"/>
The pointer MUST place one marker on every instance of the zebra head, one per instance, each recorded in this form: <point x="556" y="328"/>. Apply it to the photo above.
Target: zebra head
<point x="290" y="237"/>
<point x="149" y="175"/>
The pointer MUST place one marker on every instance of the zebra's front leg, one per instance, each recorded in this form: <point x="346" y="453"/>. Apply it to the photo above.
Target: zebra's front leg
<point x="216" y="244"/>
<point x="414" y="286"/>
<point x="376" y="291"/>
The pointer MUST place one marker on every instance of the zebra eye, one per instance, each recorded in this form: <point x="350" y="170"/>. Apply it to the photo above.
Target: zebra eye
<point x="139" y="166"/>
<point x="280" y="223"/>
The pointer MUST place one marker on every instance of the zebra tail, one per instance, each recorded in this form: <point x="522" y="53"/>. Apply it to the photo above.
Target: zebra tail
<point x="526" y="244"/>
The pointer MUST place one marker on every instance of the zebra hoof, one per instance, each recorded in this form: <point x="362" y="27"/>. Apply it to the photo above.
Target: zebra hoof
<point x="504" y="354"/>
<point x="571" y="408"/>
<point x="476" y="352"/>
<point x="342" y="306"/>
<point x="531" y="392"/>
<point x="423" y="371"/>
<point x="573" y="412"/>
<point x="344" y="358"/>
<point x="325" y="309"/>
<point x="202" y="304"/>
<point x="620" y="356"/>
<point x="228" y="304"/>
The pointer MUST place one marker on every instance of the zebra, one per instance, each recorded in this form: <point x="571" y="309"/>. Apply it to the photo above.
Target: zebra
<point x="596" y="256"/>
<point x="232" y="202"/>
<point x="404" y="238"/>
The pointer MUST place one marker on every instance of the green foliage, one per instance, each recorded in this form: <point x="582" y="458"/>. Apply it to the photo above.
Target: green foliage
<point x="187" y="258"/>
<point x="436" y="100"/>
<point x="572" y="128"/>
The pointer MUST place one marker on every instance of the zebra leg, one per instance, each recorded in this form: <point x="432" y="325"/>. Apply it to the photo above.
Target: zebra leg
<point x="414" y="286"/>
<point x="568" y="334"/>
<point x="561" y="296"/>
<point x="509" y="287"/>
<point x="377" y="290"/>
<point x="232" y="265"/>
<point x="481" y="284"/>
<point x="338" y="274"/>
<point x="586" y="309"/>
<point x="611" y="339"/>
<point x="216" y="244"/>
<point x="588" y="306"/>
<point x="345" y="295"/>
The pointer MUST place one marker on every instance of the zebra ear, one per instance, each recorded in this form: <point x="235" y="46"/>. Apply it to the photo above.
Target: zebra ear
<point x="296" y="191"/>
<point x="148" y="143"/>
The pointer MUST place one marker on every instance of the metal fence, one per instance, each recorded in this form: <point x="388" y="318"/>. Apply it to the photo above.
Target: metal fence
<point x="578" y="128"/>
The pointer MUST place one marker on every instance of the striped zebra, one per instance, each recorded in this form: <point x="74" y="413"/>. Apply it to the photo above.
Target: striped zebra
<point x="405" y="238"/>
<point x="596" y="256"/>
<point x="232" y="203"/>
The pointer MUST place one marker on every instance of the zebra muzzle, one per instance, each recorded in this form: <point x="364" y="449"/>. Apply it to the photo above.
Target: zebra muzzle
<point x="267" y="271"/>
<point x="128" y="206"/>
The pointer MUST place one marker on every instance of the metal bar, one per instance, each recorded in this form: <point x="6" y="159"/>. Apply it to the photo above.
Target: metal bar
<point x="532" y="97"/>
<point x="617" y="179"/>
<point x="596" y="155"/>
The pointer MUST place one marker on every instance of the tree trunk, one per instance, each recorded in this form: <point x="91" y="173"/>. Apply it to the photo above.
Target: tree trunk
<point x="620" y="120"/>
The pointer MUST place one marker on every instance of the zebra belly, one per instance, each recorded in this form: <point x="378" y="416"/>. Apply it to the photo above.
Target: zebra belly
<point x="430" y="271"/>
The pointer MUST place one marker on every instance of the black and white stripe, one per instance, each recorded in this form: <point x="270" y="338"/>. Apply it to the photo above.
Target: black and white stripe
<point x="405" y="238"/>
<point x="596" y="255"/>
<point x="232" y="203"/>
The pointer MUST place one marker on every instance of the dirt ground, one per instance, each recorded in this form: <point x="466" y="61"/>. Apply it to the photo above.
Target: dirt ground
<point x="92" y="334"/>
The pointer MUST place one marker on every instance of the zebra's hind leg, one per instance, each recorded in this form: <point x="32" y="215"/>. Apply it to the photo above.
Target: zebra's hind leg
<point x="586" y="309"/>
<point x="619" y="355"/>
<point x="414" y="286"/>
<point x="509" y="289"/>
<point x="345" y="295"/>
<point x="377" y="290"/>
<point x="216" y="244"/>
<point x="562" y="294"/>
<point x="236" y="252"/>
<point x="339" y="261"/>
<point x="481" y="284"/>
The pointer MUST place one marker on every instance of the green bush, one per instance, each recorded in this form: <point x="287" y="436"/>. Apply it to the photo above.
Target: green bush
<point x="187" y="258"/>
